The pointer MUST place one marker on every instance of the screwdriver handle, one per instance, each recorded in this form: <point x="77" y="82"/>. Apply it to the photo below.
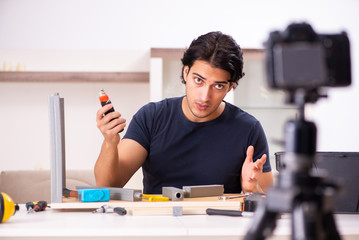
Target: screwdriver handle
<point x="119" y="210"/>
<point x="104" y="99"/>
<point x="40" y="206"/>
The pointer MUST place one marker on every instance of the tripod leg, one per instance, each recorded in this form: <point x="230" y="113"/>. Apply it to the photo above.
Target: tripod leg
<point x="263" y="224"/>
<point x="310" y="223"/>
<point x="306" y="222"/>
<point x="330" y="227"/>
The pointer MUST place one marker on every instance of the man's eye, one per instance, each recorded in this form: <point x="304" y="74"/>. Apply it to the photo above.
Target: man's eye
<point x="197" y="80"/>
<point x="219" y="86"/>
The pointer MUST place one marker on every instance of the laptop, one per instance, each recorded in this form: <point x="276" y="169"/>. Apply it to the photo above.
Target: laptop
<point x="343" y="168"/>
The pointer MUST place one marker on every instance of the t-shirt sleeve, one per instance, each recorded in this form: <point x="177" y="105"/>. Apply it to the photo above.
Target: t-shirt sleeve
<point x="259" y="141"/>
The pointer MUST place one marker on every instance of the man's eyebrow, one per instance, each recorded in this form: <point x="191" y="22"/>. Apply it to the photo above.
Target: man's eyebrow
<point x="199" y="75"/>
<point x="222" y="82"/>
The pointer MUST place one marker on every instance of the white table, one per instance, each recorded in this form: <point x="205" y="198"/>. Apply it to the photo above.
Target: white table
<point x="54" y="224"/>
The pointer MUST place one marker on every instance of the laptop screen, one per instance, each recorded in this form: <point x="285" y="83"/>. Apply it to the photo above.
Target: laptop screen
<point x="343" y="168"/>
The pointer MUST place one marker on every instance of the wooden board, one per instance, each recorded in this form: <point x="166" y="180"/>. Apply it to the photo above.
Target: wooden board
<point x="188" y="205"/>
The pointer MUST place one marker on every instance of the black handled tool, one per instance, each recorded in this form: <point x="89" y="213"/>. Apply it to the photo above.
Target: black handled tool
<point x="36" y="206"/>
<point x="107" y="209"/>
<point x="226" y="212"/>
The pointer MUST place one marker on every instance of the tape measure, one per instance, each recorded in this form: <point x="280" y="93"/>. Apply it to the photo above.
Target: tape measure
<point x="7" y="207"/>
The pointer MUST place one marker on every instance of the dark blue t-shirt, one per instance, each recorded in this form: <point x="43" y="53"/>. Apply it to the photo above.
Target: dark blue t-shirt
<point x="184" y="153"/>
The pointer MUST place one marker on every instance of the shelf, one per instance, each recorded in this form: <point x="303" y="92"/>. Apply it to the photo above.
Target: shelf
<point x="49" y="76"/>
<point x="167" y="53"/>
<point x="74" y="77"/>
<point x="177" y="53"/>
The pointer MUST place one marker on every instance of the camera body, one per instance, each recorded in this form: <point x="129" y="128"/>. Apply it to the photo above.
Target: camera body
<point x="299" y="58"/>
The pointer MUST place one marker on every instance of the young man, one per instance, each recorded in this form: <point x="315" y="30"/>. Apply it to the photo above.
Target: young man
<point x="197" y="139"/>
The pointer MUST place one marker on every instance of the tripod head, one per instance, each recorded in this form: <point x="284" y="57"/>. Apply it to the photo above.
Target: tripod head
<point x="299" y="58"/>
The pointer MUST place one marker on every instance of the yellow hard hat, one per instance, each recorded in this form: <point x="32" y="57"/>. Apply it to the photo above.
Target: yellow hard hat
<point x="7" y="207"/>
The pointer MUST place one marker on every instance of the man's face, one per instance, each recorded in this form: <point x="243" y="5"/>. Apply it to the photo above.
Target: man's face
<point x="206" y="87"/>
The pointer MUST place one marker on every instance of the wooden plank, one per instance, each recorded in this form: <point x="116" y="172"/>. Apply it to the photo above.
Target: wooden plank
<point x="167" y="211"/>
<point x="177" y="53"/>
<point x="167" y="53"/>
<point x="74" y="77"/>
<point x="189" y="205"/>
<point x="253" y="54"/>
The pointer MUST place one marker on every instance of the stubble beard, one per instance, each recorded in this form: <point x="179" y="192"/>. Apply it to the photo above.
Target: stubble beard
<point x="194" y="112"/>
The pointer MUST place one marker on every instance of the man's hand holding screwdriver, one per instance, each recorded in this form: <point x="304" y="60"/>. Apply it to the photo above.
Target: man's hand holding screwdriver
<point x="110" y="123"/>
<point x="108" y="120"/>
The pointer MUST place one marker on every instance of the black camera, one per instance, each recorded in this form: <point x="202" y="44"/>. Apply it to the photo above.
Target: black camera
<point x="298" y="58"/>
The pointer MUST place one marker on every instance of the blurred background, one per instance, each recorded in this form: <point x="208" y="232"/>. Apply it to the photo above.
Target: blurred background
<point x="115" y="36"/>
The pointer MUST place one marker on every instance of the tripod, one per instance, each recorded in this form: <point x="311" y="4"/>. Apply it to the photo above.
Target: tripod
<point x="307" y="197"/>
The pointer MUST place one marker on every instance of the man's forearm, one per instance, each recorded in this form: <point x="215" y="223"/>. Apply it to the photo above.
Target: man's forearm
<point x="107" y="166"/>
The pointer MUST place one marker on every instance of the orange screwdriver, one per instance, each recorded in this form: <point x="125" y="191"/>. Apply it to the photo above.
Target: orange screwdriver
<point x="104" y="99"/>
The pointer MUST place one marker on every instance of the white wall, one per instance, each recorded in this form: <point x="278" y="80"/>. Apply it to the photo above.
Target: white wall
<point x="68" y="30"/>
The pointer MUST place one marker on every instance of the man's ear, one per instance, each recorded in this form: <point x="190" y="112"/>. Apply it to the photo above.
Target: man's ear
<point x="231" y="85"/>
<point x="185" y="73"/>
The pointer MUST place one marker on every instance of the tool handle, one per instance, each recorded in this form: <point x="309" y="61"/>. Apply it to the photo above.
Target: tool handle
<point x="105" y="103"/>
<point x="155" y="198"/>
<point x="70" y="193"/>
<point x="120" y="211"/>
<point x="104" y="99"/>
<point x="233" y="213"/>
<point x="40" y="206"/>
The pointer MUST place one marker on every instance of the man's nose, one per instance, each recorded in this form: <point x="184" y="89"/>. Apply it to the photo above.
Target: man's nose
<point x="205" y="93"/>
